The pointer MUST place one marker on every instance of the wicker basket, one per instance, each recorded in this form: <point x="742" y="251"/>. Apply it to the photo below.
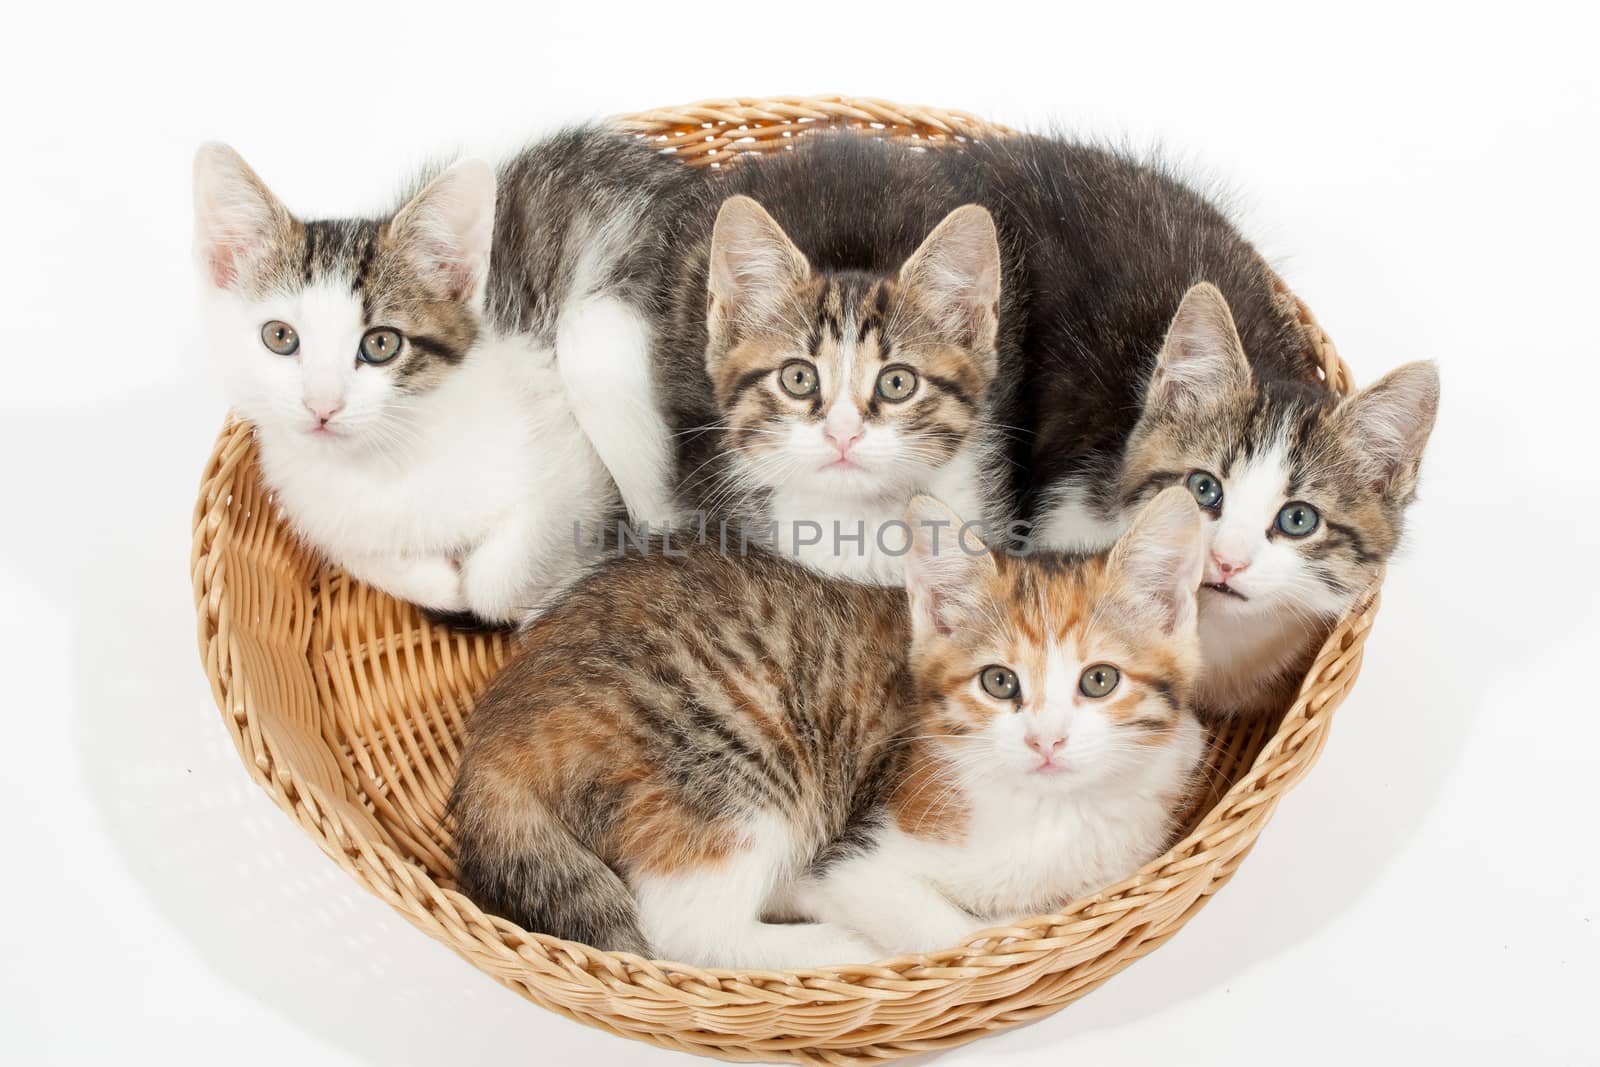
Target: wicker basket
<point x="348" y="709"/>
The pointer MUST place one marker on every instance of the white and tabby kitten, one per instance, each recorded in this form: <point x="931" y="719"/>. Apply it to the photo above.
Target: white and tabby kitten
<point x="841" y="346"/>
<point x="1304" y="495"/>
<point x="434" y="392"/>
<point x="1158" y="349"/>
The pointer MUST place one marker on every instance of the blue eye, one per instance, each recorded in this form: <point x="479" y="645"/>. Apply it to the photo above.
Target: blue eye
<point x="1297" y="520"/>
<point x="1206" y="489"/>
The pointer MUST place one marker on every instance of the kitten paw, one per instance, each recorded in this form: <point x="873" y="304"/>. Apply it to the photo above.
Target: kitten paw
<point x="831" y="947"/>
<point x="434" y="582"/>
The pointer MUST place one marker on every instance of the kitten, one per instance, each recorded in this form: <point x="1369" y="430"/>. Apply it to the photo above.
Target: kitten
<point x="839" y="345"/>
<point x="900" y="768"/>
<point x="441" y="394"/>
<point x="1305" y="495"/>
<point x="1126" y="393"/>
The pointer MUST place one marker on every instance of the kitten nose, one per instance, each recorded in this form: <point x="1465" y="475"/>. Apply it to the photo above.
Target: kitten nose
<point x="1228" y="567"/>
<point x="324" y="413"/>
<point x="843" y="439"/>
<point x="1046" y="746"/>
<point x="842" y="442"/>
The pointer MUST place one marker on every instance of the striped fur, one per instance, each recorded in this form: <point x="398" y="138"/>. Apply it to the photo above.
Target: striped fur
<point x="825" y="749"/>
<point x="1270" y="442"/>
<point x="1155" y="343"/>
<point x="846" y="257"/>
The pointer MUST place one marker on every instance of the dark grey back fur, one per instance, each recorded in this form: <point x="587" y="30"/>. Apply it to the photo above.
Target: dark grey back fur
<point x="1111" y="244"/>
<point x="1098" y="249"/>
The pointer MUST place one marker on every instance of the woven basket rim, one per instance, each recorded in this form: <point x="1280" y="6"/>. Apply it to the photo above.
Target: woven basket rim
<point x="619" y="991"/>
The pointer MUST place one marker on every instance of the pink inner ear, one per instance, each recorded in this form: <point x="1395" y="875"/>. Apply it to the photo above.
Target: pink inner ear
<point x="459" y="279"/>
<point x="442" y="260"/>
<point x="222" y="260"/>
<point x="1169" y="612"/>
<point x="936" y="610"/>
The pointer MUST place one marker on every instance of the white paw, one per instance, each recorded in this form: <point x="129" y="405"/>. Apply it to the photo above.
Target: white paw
<point x="830" y="946"/>
<point x="495" y="596"/>
<point x="653" y="508"/>
<point x="434" y="582"/>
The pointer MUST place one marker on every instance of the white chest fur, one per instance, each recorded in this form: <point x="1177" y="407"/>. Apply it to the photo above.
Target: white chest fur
<point x="865" y="538"/>
<point x="1027" y="852"/>
<point x="1248" y="655"/>
<point x="1023" y="851"/>
<point x="492" y="453"/>
<point x="1069" y="523"/>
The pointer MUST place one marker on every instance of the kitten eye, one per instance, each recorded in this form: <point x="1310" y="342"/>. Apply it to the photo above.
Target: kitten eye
<point x="1099" y="680"/>
<point x="1000" y="682"/>
<point x="799" y="378"/>
<point x="280" y="337"/>
<point x="897" y="383"/>
<point x="380" y="345"/>
<point x="1298" y="520"/>
<point x="1206" y="489"/>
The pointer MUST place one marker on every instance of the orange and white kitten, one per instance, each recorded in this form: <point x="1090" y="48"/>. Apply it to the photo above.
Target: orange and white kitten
<point x="897" y="768"/>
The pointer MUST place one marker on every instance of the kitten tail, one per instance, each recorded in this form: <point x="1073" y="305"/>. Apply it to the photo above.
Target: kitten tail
<point x="518" y="859"/>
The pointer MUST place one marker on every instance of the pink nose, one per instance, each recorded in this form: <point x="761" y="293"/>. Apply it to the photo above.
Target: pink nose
<point x="324" y="413"/>
<point x="844" y="439"/>
<point x="1228" y="567"/>
<point x="1046" y="746"/>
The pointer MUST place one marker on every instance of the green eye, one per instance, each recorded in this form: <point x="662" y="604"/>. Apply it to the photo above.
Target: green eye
<point x="1000" y="682"/>
<point x="280" y="337"/>
<point x="380" y="345"/>
<point x="1298" y="520"/>
<point x="897" y="383"/>
<point x="798" y="378"/>
<point x="1099" y="680"/>
<point x="1206" y="489"/>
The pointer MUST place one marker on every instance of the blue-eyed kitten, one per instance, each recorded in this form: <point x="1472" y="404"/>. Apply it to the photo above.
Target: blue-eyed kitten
<point x="1304" y="495"/>
<point x="1128" y="385"/>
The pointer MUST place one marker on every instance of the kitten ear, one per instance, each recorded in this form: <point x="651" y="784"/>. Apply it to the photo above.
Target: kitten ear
<point x="1202" y="357"/>
<point x="955" y="277"/>
<point x="1160" y="560"/>
<point x="946" y="570"/>
<point x="754" y="265"/>
<point x="1389" y="423"/>
<point x="447" y="230"/>
<point x="236" y="217"/>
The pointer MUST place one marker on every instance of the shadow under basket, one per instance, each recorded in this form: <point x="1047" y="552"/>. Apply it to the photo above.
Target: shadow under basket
<point x="348" y="708"/>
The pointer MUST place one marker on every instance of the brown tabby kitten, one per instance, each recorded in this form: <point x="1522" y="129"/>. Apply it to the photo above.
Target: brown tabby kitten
<point x="838" y="345"/>
<point x="899" y="767"/>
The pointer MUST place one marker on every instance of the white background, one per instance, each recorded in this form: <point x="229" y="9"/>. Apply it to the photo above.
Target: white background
<point x="1425" y="181"/>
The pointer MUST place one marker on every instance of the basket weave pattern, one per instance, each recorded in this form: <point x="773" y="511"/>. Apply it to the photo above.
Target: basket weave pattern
<point x="348" y="708"/>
